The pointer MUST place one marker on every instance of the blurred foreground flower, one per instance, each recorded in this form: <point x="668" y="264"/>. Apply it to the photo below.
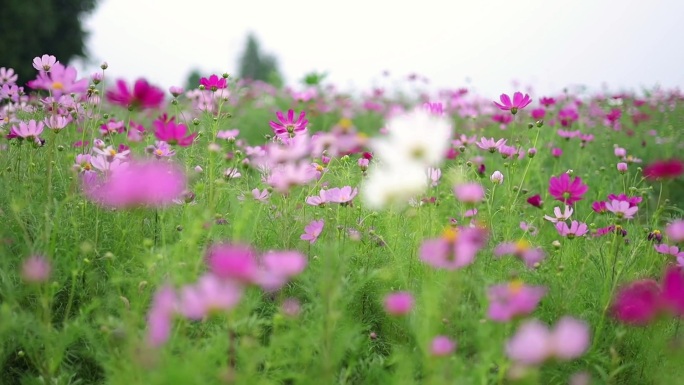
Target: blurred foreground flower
<point x="533" y="342"/>
<point x="137" y="183"/>
<point x="641" y="301"/>
<point x="142" y="96"/>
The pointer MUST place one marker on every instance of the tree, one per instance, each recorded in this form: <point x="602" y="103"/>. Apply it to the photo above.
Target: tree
<point x="36" y="27"/>
<point x="256" y="65"/>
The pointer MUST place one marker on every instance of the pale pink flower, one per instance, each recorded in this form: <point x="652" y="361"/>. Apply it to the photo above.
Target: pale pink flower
<point x="534" y="343"/>
<point x="490" y="145"/>
<point x="312" y="231"/>
<point x="576" y="229"/>
<point x="341" y="195"/>
<point x="675" y="230"/>
<point x="560" y="216"/>
<point x="621" y="209"/>
<point x="512" y="299"/>
<point x="159" y="318"/>
<point x="261" y="196"/>
<point x="44" y="63"/>
<point x="209" y="294"/>
<point x="669" y="250"/>
<point x="434" y="174"/>
<point x="521" y="249"/>
<point x="442" y="346"/>
<point x="36" y="269"/>
<point x="469" y="192"/>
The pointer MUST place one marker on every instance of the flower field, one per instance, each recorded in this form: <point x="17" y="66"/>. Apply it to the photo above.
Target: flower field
<point x="236" y="233"/>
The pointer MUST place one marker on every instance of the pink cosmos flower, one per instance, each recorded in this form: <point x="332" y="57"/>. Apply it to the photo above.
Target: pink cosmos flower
<point x="317" y="200"/>
<point x="36" y="269"/>
<point x="161" y="149"/>
<point x="538" y="113"/>
<point x="513" y="299"/>
<point x="521" y="249"/>
<point x="675" y="230"/>
<point x="176" y="91"/>
<point x="261" y="196"/>
<point x="56" y="122"/>
<point x="312" y="231"/>
<point x="490" y="145"/>
<point x="159" y="318"/>
<point x="533" y="342"/>
<point x="442" y="346"/>
<point x="232" y="261"/>
<point x="341" y="195"/>
<point x="576" y="229"/>
<point x="399" y="303"/>
<point x="621" y="209"/>
<point x="565" y="191"/>
<point x="139" y="183"/>
<point x="560" y="216"/>
<point x="143" y="95"/>
<point x="633" y="201"/>
<point x="288" y="127"/>
<point x="44" y="63"/>
<point x="455" y="249"/>
<point x="173" y="133"/>
<point x="434" y="174"/>
<point x="519" y="102"/>
<point x="285" y="176"/>
<point x="209" y="294"/>
<point x="556" y="152"/>
<point x="214" y="83"/>
<point x="277" y="267"/>
<point x="59" y="81"/>
<point x="30" y="131"/>
<point x="469" y="192"/>
<point x="669" y="250"/>
<point x="228" y="134"/>
<point x="7" y="76"/>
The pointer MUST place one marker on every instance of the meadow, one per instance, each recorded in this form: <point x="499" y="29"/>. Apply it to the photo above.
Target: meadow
<point x="236" y="233"/>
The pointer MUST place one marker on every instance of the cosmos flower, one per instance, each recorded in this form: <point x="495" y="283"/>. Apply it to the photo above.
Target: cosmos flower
<point x="521" y="249"/>
<point x="399" y="303"/>
<point x="533" y="343"/>
<point x="59" y="81"/>
<point x="664" y="169"/>
<point x="576" y="229"/>
<point x="513" y="299"/>
<point x="519" y="102"/>
<point x="287" y="127"/>
<point x="44" y="63"/>
<point x="621" y="209"/>
<point x="142" y="96"/>
<point x="173" y="133"/>
<point x="312" y="231"/>
<point x="455" y="249"/>
<point x="213" y="83"/>
<point x="560" y="216"/>
<point x="562" y="189"/>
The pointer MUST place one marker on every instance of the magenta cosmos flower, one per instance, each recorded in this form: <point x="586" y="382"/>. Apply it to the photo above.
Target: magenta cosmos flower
<point x="664" y="169"/>
<point x="562" y="189"/>
<point x="287" y="127"/>
<point x="512" y="299"/>
<point x="399" y="303"/>
<point x="173" y="133"/>
<point x="138" y="183"/>
<point x="213" y="83"/>
<point x="232" y="261"/>
<point x="59" y="81"/>
<point x="641" y="301"/>
<point x="312" y="231"/>
<point x="519" y="102"/>
<point x="142" y="96"/>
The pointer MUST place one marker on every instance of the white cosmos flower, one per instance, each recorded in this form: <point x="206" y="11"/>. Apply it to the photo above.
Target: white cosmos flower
<point x="417" y="136"/>
<point x="388" y="186"/>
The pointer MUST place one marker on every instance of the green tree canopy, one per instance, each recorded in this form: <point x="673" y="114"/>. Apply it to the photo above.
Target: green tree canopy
<point x="256" y="65"/>
<point x="36" y="27"/>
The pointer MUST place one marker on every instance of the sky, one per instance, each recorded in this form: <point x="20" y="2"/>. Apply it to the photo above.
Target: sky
<point x="486" y="45"/>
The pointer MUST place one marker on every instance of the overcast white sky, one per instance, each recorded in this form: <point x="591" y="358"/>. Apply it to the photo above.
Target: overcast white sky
<point x="549" y="44"/>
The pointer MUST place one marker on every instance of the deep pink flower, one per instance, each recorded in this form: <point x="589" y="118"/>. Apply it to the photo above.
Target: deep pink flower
<point x="544" y="101"/>
<point x="669" y="250"/>
<point x="519" y="102"/>
<point x="138" y="183"/>
<point x="637" y="303"/>
<point x="599" y="207"/>
<point x="287" y="127"/>
<point x="673" y="291"/>
<point x="36" y="269"/>
<point x="399" y="303"/>
<point x="512" y="299"/>
<point x="633" y="201"/>
<point x="556" y="152"/>
<point x="567" y="116"/>
<point x="232" y="261"/>
<point x="664" y="169"/>
<point x="565" y="191"/>
<point x="173" y="133"/>
<point x="312" y="231"/>
<point x="535" y="201"/>
<point x="59" y="81"/>
<point x="214" y="83"/>
<point x="538" y="113"/>
<point x="143" y="95"/>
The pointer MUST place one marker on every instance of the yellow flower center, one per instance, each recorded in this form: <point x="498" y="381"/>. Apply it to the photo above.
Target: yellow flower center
<point x="112" y="152"/>
<point x="319" y="167"/>
<point x="87" y="167"/>
<point x="515" y="286"/>
<point x="522" y="245"/>
<point x="158" y="152"/>
<point x="450" y="234"/>
<point x="57" y="86"/>
<point x="345" y="123"/>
